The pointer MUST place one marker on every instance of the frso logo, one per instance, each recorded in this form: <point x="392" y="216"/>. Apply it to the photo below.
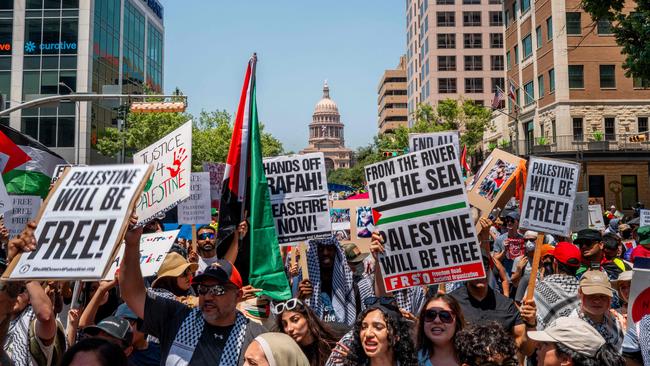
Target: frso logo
<point x="30" y="47"/>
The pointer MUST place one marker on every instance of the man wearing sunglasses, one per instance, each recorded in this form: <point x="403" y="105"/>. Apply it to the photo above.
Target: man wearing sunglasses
<point x="206" y="243"/>
<point x="215" y="333"/>
<point x="509" y="245"/>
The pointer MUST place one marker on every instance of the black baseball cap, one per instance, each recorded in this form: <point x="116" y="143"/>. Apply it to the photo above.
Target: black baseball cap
<point x="222" y="271"/>
<point x="587" y="236"/>
<point x="115" y="327"/>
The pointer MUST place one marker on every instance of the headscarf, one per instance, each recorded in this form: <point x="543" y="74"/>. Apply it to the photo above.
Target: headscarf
<point x="343" y="300"/>
<point x="281" y="350"/>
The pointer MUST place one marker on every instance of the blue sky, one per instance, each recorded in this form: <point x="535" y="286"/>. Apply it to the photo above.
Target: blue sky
<point x="299" y="45"/>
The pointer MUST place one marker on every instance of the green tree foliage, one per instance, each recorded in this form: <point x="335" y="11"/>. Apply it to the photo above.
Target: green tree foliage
<point x="631" y="29"/>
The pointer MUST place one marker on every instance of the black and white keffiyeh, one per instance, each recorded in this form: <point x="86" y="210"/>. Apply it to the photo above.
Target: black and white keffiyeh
<point x="644" y="339"/>
<point x="411" y="299"/>
<point x="555" y="296"/>
<point x="343" y="300"/>
<point x="17" y="342"/>
<point x="190" y="332"/>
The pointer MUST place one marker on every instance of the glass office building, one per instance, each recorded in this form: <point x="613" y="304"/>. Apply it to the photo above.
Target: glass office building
<point x="50" y="47"/>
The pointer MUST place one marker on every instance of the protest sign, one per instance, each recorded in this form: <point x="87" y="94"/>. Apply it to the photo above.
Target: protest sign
<point x="21" y="210"/>
<point x="299" y="200"/>
<point x="495" y="182"/>
<point x="639" y="303"/>
<point x="354" y="233"/>
<point x="420" y="207"/>
<point x="580" y="217"/>
<point x="551" y="188"/>
<point x="196" y="209"/>
<point x="596" y="217"/>
<point x="5" y="199"/>
<point x="423" y="141"/>
<point x="153" y="250"/>
<point x="4" y="159"/>
<point x="644" y="217"/>
<point x="169" y="183"/>
<point x="216" y="171"/>
<point x="82" y="221"/>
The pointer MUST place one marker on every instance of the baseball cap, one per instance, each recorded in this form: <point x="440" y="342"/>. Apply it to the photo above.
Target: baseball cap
<point x="114" y="326"/>
<point x="595" y="283"/>
<point x="513" y="215"/>
<point x="587" y="236"/>
<point x="547" y="249"/>
<point x="644" y="234"/>
<point x="353" y="253"/>
<point x="123" y="311"/>
<point x="222" y="271"/>
<point x="574" y="333"/>
<point x="567" y="253"/>
<point x="622" y="277"/>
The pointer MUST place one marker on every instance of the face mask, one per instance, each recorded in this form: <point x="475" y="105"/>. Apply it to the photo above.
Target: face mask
<point x="530" y="246"/>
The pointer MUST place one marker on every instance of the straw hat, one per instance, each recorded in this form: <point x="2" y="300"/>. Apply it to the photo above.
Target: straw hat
<point x="174" y="265"/>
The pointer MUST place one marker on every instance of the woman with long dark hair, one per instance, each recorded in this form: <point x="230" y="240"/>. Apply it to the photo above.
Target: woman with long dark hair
<point x="314" y="337"/>
<point x="440" y="319"/>
<point x="381" y="336"/>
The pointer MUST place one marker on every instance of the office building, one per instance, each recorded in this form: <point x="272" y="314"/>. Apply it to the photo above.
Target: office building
<point x="392" y="98"/>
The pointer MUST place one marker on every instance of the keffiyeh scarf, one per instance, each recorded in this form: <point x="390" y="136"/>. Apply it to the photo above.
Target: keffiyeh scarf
<point x="556" y="296"/>
<point x="644" y="339"/>
<point x="343" y="300"/>
<point x="17" y="342"/>
<point x="610" y="329"/>
<point x="410" y="299"/>
<point x="190" y="332"/>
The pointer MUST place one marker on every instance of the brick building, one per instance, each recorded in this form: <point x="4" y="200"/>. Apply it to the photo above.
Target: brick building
<point x="391" y="99"/>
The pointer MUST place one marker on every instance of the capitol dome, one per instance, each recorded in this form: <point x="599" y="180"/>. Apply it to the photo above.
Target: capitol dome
<point x="326" y="105"/>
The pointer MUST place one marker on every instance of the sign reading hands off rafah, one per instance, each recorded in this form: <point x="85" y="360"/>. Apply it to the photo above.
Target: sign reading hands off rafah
<point x="169" y="183"/>
<point x="83" y="220"/>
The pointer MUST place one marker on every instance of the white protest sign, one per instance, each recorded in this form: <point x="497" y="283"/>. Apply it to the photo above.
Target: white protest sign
<point x="22" y="210"/>
<point x="580" y="217"/>
<point x="644" y="217"/>
<point x="84" y="220"/>
<point x="550" y="192"/>
<point x="423" y="141"/>
<point x="639" y="303"/>
<point x="153" y="250"/>
<point x="420" y="207"/>
<point x="169" y="183"/>
<point x="216" y="171"/>
<point x="5" y="199"/>
<point x="196" y="209"/>
<point x="299" y="200"/>
<point x="596" y="217"/>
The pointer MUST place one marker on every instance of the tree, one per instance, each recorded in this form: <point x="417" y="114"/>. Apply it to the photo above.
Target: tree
<point x="631" y="30"/>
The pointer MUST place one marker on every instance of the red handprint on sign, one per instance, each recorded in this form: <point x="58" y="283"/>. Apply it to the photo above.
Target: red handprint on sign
<point x="179" y="158"/>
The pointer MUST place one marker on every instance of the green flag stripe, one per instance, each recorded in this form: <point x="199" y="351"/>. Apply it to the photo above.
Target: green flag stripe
<point x="23" y="182"/>
<point x="428" y="211"/>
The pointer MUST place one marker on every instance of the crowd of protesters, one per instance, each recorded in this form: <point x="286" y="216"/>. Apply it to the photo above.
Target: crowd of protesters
<point x="197" y="310"/>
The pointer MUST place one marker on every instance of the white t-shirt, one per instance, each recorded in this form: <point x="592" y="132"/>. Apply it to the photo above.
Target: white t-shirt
<point x="205" y="263"/>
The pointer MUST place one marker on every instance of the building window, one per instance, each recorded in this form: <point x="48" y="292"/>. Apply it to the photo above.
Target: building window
<point x="498" y="84"/>
<point x="549" y="28"/>
<point x="446" y="19"/>
<point x="629" y="192"/>
<point x="444" y="2"/>
<point x="642" y="124"/>
<point x="640" y="83"/>
<point x="447" y="85"/>
<point x="496" y="19"/>
<point x="472" y="40"/>
<point x="473" y="85"/>
<point x="496" y="62"/>
<point x="610" y="128"/>
<point x="607" y="76"/>
<point x="527" y="46"/>
<point x="508" y="63"/>
<point x="514" y="10"/>
<point x="597" y="186"/>
<point x="446" y="63"/>
<point x="447" y="40"/>
<point x="554" y="130"/>
<point x="576" y="77"/>
<point x="473" y="63"/>
<point x="538" y="36"/>
<point x="495" y="2"/>
<point x="525" y="5"/>
<point x="472" y="18"/>
<point x="551" y="80"/>
<point x="540" y="86"/>
<point x="516" y="54"/>
<point x="507" y="18"/>
<point x="605" y="27"/>
<point x="578" y="133"/>
<point x="496" y="40"/>
<point x="529" y="96"/>
<point x="471" y="2"/>
<point x="573" y="26"/>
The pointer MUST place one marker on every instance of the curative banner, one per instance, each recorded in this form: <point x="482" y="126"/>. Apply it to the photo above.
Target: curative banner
<point x="420" y="207"/>
<point x="196" y="209"/>
<point x="84" y="219"/>
<point x="153" y="250"/>
<point x="299" y="200"/>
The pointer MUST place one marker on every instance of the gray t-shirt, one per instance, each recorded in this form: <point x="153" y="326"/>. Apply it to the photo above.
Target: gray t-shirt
<point x="163" y="318"/>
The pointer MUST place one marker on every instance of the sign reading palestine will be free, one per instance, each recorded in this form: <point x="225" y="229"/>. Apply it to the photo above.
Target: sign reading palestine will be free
<point x="420" y="208"/>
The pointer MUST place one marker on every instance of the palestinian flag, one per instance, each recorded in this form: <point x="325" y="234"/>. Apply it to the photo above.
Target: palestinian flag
<point x="30" y="166"/>
<point x="463" y="162"/>
<point x="245" y="189"/>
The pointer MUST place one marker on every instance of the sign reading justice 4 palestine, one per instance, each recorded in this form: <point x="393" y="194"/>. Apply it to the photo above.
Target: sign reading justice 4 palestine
<point x="84" y="219"/>
<point x="420" y="207"/>
<point x="153" y="250"/>
<point x="550" y="193"/>
<point x="298" y="190"/>
<point x="169" y="183"/>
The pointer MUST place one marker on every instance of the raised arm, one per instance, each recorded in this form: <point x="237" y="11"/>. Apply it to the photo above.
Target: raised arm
<point x="44" y="311"/>
<point x="88" y="315"/>
<point x="132" y="287"/>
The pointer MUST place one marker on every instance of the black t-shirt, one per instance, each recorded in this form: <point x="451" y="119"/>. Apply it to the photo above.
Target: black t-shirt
<point x="146" y="357"/>
<point x="494" y="307"/>
<point x="163" y="318"/>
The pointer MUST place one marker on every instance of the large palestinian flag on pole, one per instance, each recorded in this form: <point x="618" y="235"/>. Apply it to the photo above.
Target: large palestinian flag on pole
<point x="245" y="190"/>
<point x="30" y="166"/>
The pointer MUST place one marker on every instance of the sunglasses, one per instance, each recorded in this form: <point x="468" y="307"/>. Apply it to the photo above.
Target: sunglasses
<point x="388" y="302"/>
<point x="288" y="305"/>
<point x="445" y="316"/>
<point x="216" y="290"/>
<point x="204" y="236"/>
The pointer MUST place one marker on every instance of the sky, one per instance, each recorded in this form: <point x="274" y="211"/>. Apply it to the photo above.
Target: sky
<point x="299" y="45"/>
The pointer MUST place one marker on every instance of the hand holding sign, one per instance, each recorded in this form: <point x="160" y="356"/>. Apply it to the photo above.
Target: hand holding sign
<point x="25" y="242"/>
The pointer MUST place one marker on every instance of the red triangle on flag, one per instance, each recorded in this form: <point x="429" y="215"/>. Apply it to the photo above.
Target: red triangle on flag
<point x="375" y="216"/>
<point x="17" y="156"/>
